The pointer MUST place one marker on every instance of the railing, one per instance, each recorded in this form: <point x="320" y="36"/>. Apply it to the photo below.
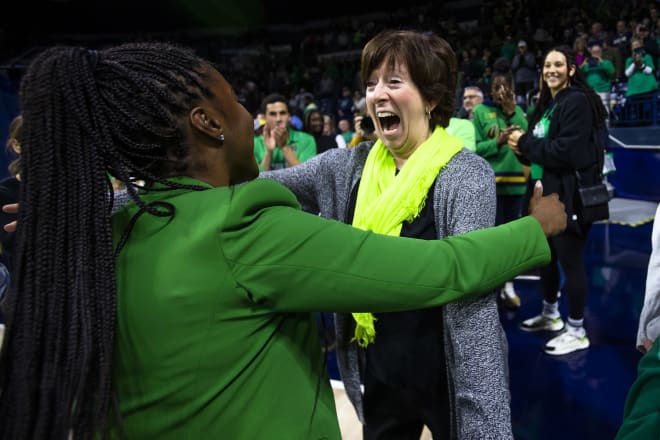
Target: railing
<point x="635" y="111"/>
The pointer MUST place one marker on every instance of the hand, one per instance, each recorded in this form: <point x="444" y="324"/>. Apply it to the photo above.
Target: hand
<point x="549" y="211"/>
<point x="269" y="138"/>
<point x="647" y="344"/>
<point x="503" y="137"/>
<point x="357" y="123"/>
<point x="513" y="139"/>
<point x="10" y="209"/>
<point x="281" y="134"/>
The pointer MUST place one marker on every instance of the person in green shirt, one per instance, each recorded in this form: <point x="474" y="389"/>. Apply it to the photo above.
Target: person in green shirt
<point x="598" y="72"/>
<point x="640" y="70"/>
<point x="189" y="312"/>
<point x="493" y="121"/>
<point x="280" y="145"/>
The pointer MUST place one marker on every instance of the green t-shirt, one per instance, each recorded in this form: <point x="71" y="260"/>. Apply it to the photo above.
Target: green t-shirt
<point x="541" y="130"/>
<point x="215" y="333"/>
<point x="303" y="144"/>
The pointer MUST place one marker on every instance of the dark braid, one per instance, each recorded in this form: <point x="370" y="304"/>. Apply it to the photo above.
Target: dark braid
<point x="86" y="114"/>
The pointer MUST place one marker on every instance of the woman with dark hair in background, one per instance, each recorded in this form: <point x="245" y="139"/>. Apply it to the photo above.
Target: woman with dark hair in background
<point x="314" y="126"/>
<point x="567" y="124"/>
<point x="187" y="313"/>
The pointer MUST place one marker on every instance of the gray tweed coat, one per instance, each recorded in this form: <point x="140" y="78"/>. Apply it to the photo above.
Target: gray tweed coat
<point x="475" y="343"/>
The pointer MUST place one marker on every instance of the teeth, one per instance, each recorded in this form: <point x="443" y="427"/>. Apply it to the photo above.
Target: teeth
<point x="384" y="114"/>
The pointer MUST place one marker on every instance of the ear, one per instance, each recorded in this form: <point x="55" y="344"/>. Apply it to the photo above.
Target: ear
<point x="572" y="71"/>
<point x="201" y="120"/>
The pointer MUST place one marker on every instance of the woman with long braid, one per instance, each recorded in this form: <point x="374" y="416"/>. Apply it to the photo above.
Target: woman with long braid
<point x="187" y="313"/>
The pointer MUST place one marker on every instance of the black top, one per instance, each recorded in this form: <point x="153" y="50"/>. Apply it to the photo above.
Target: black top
<point x="409" y="347"/>
<point x="324" y="143"/>
<point x="568" y="147"/>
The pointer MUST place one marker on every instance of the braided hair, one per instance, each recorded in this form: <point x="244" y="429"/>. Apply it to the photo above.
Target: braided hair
<point x="87" y="115"/>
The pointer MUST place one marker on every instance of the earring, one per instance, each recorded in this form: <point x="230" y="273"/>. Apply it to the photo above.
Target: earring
<point x="221" y="137"/>
<point x="428" y="115"/>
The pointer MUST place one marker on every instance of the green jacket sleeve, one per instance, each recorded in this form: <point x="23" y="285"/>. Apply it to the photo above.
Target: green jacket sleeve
<point x="288" y="260"/>
<point x="485" y="146"/>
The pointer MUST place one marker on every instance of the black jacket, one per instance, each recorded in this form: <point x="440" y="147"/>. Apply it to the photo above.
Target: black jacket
<point x="569" y="146"/>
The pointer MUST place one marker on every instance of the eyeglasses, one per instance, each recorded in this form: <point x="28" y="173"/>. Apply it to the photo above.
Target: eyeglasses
<point x="470" y="96"/>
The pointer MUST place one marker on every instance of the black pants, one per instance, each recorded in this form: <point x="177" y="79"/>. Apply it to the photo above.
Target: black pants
<point x="567" y="249"/>
<point x="405" y="381"/>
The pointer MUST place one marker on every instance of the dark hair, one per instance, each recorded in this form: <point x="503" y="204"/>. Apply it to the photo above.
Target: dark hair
<point x="504" y="76"/>
<point x="308" y="117"/>
<point x="15" y="140"/>
<point x="272" y="98"/>
<point x="577" y="80"/>
<point x="86" y="114"/>
<point x="431" y="63"/>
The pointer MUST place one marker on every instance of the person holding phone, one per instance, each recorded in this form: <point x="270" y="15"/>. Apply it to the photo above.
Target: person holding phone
<point x="598" y="72"/>
<point x="640" y="71"/>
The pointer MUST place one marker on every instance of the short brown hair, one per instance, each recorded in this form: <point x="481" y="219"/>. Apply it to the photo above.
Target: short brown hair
<point x="431" y="63"/>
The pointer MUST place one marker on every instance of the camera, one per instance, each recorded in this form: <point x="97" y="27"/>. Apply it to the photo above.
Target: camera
<point x="639" y="51"/>
<point x="367" y="125"/>
<point x="592" y="62"/>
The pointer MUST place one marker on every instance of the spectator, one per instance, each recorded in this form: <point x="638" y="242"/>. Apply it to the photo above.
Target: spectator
<point x="345" y="129"/>
<point x="330" y="129"/>
<point x="281" y="146"/>
<point x="524" y="70"/>
<point x="493" y="121"/>
<point x="640" y="70"/>
<point x="649" y="44"/>
<point x="314" y="126"/>
<point x="472" y="96"/>
<point x="621" y="38"/>
<point x="598" y="73"/>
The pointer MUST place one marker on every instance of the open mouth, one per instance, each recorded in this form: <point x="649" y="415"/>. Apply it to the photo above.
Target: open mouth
<point x="388" y="121"/>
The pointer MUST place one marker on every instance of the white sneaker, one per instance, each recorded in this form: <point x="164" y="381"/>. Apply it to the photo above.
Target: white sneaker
<point x="566" y="343"/>
<point x="542" y="323"/>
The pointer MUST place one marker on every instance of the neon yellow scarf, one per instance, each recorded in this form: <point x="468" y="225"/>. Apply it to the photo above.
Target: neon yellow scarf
<point x="386" y="199"/>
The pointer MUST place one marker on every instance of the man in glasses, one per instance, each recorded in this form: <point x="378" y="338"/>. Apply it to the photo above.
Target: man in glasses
<point x="472" y="96"/>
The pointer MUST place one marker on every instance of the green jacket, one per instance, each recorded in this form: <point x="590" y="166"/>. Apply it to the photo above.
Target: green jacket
<point x="303" y="144"/>
<point x="488" y="121"/>
<point x="215" y="332"/>
<point x="599" y="77"/>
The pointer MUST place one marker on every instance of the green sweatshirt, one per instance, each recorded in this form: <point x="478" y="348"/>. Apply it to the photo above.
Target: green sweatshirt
<point x="488" y="121"/>
<point x="215" y="332"/>
<point x="599" y="77"/>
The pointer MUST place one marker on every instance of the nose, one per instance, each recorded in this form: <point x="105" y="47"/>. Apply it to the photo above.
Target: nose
<point x="379" y="92"/>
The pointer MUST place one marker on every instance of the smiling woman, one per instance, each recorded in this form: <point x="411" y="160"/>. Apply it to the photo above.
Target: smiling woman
<point x="414" y="180"/>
